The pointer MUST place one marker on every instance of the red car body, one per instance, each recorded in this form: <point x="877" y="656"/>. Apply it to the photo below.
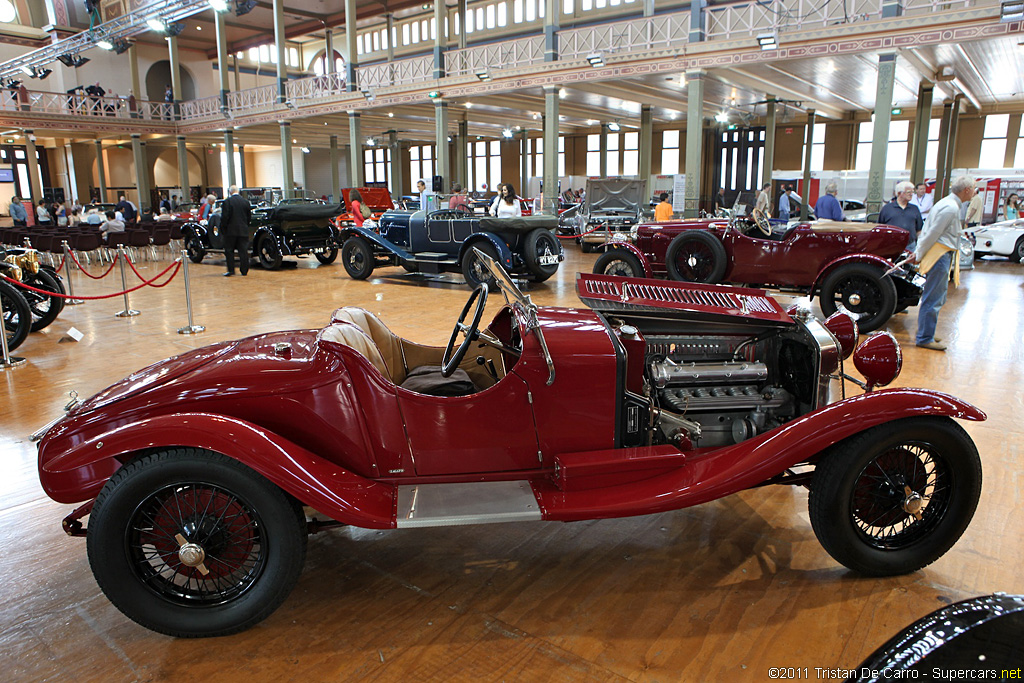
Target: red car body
<point x="377" y="198"/>
<point x="574" y="422"/>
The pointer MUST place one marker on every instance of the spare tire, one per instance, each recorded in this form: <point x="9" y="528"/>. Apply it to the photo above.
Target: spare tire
<point x="538" y="244"/>
<point x="696" y="256"/>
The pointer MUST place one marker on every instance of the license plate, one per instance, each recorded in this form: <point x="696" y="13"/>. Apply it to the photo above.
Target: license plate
<point x="549" y="259"/>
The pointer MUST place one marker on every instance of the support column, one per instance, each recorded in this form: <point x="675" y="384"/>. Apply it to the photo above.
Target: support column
<point x="229" y="154"/>
<point x="238" y="77"/>
<point x="769" y="142"/>
<point x="552" y="10"/>
<point x="172" y="49"/>
<point x="101" y="173"/>
<point x="880" y="138"/>
<point x="335" y="170"/>
<point x="462" y="23"/>
<point x="602" y="151"/>
<point x="33" y="168"/>
<point x="279" y="47"/>
<point x="1012" y="135"/>
<point x="551" y="101"/>
<point x="329" y="51"/>
<point x="442" y="155"/>
<point x="808" y="147"/>
<point x="954" y="130"/>
<point x="69" y="161"/>
<point x="141" y="174"/>
<point x="695" y="140"/>
<point x="646" y="141"/>
<point x="355" y="148"/>
<point x="940" y="155"/>
<point x="389" y="26"/>
<point x="350" y="65"/>
<point x="648" y="6"/>
<point x="439" y="40"/>
<point x="133" y="66"/>
<point x="524" y="162"/>
<point x="922" y="119"/>
<point x="186" y="191"/>
<point x="241" y="166"/>
<point x="287" y="171"/>
<point x="461" y="156"/>
<point x="222" y="57"/>
<point x="697" y="20"/>
<point x="397" y="167"/>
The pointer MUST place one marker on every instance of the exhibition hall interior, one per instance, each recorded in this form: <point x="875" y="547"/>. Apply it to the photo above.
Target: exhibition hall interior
<point x="511" y="340"/>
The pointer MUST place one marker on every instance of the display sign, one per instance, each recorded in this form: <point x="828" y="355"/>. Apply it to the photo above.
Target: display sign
<point x="6" y="175"/>
<point x="678" y="192"/>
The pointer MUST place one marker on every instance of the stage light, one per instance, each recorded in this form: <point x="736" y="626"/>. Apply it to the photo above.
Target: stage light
<point x="614" y="126"/>
<point x="596" y="59"/>
<point x="768" y="41"/>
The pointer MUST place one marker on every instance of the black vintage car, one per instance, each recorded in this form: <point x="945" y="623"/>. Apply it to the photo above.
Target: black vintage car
<point x="442" y="242"/>
<point x="275" y="232"/>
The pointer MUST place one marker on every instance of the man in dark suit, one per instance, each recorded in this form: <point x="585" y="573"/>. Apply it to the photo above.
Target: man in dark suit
<point x="234" y="228"/>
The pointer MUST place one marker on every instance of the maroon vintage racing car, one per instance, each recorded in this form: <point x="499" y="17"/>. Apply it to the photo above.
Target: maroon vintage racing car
<point x="203" y="474"/>
<point x="847" y="265"/>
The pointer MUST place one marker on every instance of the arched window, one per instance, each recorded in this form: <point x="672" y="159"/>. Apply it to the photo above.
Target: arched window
<point x="8" y="13"/>
<point x="320" y="63"/>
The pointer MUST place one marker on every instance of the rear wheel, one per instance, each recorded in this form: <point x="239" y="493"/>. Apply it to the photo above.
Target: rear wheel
<point x="863" y="290"/>
<point x="45" y="308"/>
<point x="357" y="257"/>
<point x="191" y="543"/>
<point x="474" y="270"/>
<point x="327" y="257"/>
<point x="1017" y="255"/>
<point x="540" y="245"/>
<point x="619" y="262"/>
<point x="17" y="315"/>
<point x="269" y="252"/>
<point x="696" y="256"/>
<point x="896" y="497"/>
<point x="194" y="248"/>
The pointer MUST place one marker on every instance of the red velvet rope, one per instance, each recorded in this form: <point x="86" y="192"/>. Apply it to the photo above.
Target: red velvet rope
<point x="61" y="266"/>
<point x="176" y="265"/>
<point x="572" y="237"/>
<point x="137" y="273"/>
<point x="94" y="277"/>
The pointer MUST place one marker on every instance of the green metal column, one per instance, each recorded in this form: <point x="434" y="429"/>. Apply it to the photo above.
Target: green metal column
<point x="186" y="191"/>
<point x="329" y="51"/>
<point x="229" y="154"/>
<point x="282" y="57"/>
<point x="172" y="49"/>
<point x="602" y="153"/>
<point x="922" y="119"/>
<point x="222" y="57"/>
<point x="241" y="166"/>
<point x="33" y="168"/>
<point x="335" y="170"/>
<point x="397" y="170"/>
<point x="461" y="157"/>
<point x="351" y="60"/>
<point x="694" y="140"/>
<point x="552" y="10"/>
<point x="950" y="151"/>
<point x="133" y="66"/>
<point x="440" y="10"/>
<point x="355" y="150"/>
<point x="646" y="141"/>
<point x="877" y="192"/>
<point x="551" y="149"/>
<point x="442" y="155"/>
<point x="287" y="171"/>
<point x="524" y="162"/>
<point x="769" y="141"/>
<point x="141" y="171"/>
<point x="101" y="173"/>
<point x="808" y="147"/>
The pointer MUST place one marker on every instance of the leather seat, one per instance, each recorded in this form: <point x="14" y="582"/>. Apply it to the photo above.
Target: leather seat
<point x="388" y="344"/>
<point x="354" y="338"/>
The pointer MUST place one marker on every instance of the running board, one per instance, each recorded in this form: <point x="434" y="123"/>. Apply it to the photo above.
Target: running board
<point x="425" y="505"/>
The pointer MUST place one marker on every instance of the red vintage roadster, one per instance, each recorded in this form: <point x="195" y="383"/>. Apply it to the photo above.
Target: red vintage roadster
<point x="201" y="473"/>
<point x="848" y="265"/>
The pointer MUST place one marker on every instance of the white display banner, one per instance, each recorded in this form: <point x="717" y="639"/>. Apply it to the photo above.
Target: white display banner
<point x="679" y="192"/>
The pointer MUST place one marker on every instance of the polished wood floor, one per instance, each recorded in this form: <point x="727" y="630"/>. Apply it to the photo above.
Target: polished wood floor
<point x="721" y="592"/>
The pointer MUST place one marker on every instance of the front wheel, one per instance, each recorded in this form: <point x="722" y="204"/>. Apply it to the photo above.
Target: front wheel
<point x="619" y="262"/>
<point x="475" y="271"/>
<point x="327" y="257"/>
<point x="17" y="315"/>
<point x="1017" y="255"/>
<point x="696" y="256"/>
<point x="863" y="290"/>
<point x="191" y="543"/>
<point x="268" y="251"/>
<point x="194" y="248"/>
<point x="896" y="497"/>
<point x="357" y="257"/>
<point x="45" y="308"/>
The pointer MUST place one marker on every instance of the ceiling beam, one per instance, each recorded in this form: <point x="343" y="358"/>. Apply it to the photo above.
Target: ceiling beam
<point x="759" y="86"/>
<point x="926" y="71"/>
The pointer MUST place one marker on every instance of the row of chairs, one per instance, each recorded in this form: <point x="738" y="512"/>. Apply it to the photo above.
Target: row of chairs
<point x="87" y="240"/>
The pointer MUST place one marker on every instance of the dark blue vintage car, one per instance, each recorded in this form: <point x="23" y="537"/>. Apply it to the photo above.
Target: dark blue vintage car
<point x="441" y="242"/>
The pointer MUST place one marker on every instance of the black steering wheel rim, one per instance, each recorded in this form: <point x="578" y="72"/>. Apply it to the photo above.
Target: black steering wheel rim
<point x="761" y="221"/>
<point x="452" y="356"/>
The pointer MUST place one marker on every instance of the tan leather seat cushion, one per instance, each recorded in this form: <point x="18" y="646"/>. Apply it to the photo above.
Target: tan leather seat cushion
<point x="388" y="344"/>
<point x="358" y="341"/>
<point x="841" y="226"/>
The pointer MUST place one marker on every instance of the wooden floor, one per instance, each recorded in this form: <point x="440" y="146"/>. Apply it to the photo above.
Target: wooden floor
<point x="721" y="592"/>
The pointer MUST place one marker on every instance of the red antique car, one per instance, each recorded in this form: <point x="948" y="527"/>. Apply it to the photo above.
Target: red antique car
<point x="195" y="471"/>
<point x="848" y="265"/>
<point x="377" y="198"/>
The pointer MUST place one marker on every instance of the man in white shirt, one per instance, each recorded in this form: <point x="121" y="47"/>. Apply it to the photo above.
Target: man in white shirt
<point x="941" y="233"/>
<point x="922" y="199"/>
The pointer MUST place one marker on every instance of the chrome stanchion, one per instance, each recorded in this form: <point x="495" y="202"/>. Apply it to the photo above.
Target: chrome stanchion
<point x="7" y="361"/>
<point x="192" y="328"/>
<point x="128" y="311"/>
<point x="71" y="285"/>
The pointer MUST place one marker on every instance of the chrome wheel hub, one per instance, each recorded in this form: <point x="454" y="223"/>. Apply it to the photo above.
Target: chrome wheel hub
<point x="854" y="299"/>
<point x="191" y="554"/>
<point x="913" y="502"/>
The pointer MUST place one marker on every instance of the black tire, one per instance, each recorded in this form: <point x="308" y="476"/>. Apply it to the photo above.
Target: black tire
<point x="619" y="262"/>
<point x="862" y="290"/>
<point x="268" y="251"/>
<point x="45" y="309"/>
<point x="56" y="278"/>
<point x="357" y="257"/>
<point x="194" y="248"/>
<point x="328" y="257"/>
<point x="696" y="256"/>
<point x="538" y="243"/>
<point x="473" y="270"/>
<point x="587" y="247"/>
<point x="862" y="487"/>
<point x="253" y="538"/>
<point x="1017" y="255"/>
<point x="17" y="315"/>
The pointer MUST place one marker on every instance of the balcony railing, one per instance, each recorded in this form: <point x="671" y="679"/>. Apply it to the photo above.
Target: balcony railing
<point x="77" y="104"/>
<point x="398" y="72"/>
<point x="253" y="99"/>
<point x="205" y="107"/>
<point x="315" y="87"/>
<point x="494" y="56"/>
<point x="652" y="33"/>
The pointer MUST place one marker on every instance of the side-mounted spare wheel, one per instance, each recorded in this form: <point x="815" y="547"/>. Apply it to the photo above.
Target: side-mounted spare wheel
<point x="191" y="543"/>
<point x="896" y="497"/>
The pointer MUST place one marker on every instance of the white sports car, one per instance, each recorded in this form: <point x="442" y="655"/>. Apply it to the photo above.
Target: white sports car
<point x="1005" y="238"/>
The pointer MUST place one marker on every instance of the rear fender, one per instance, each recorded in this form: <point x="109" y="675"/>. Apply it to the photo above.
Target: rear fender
<point x="631" y="248"/>
<point x="872" y="259"/>
<point x="374" y="239"/>
<point x="281" y="243"/>
<point x="80" y="472"/>
<point x="504" y="253"/>
<point x="710" y="474"/>
<point x="194" y="229"/>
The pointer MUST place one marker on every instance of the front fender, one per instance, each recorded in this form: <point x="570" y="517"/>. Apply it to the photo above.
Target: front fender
<point x="78" y="473"/>
<point x="376" y="240"/>
<point x="504" y="253"/>
<point x="884" y="264"/>
<point x="710" y="474"/>
<point x="633" y="249"/>
<point x="194" y="229"/>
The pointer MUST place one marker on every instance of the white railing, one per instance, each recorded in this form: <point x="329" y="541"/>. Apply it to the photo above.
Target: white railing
<point x="651" y="33"/>
<point x="315" y="87"/>
<point x="751" y="18"/>
<point x="246" y="101"/>
<point x="205" y="107"/>
<point x="917" y="7"/>
<point x="399" y="72"/>
<point x="504" y="55"/>
<point x="77" y="104"/>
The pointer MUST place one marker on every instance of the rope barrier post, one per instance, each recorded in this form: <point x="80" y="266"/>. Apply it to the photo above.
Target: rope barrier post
<point x="191" y="328"/>
<point x="68" y="260"/>
<point x="7" y="361"/>
<point x="128" y="311"/>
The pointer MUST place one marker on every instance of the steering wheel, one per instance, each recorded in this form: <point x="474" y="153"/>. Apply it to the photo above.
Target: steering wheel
<point x="762" y="222"/>
<point x="452" y="356"/>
